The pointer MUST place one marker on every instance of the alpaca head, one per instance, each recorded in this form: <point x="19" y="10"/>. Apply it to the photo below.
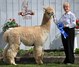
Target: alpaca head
<point x="49" y="12"/>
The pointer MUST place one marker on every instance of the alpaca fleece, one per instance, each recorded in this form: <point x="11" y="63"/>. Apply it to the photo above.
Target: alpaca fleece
<point x="33" y="35"/>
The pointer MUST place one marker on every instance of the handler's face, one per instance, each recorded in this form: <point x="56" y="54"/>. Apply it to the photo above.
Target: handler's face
<point x="66" y="8"/>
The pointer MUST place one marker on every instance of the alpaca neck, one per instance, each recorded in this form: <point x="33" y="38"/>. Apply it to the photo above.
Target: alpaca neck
<point x="46" y="23"/>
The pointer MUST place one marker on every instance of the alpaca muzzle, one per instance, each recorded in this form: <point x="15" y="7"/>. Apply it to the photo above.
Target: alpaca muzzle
<point x="51" y="14"/>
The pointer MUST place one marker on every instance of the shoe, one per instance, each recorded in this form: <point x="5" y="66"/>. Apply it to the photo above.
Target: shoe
<point x="69" y="63"/>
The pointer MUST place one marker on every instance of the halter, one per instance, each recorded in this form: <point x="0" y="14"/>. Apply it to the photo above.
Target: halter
<point x="51" y="14"/>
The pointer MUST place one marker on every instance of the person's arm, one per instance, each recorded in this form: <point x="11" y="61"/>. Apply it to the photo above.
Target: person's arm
<point x="72" y="21"/>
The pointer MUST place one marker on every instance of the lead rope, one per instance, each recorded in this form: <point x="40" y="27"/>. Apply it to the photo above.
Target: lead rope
<point x="60" y="26"/>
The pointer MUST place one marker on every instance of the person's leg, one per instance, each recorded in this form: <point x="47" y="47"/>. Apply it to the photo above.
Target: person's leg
<point x="71" y="45"/>
<point x="65" y="45"/>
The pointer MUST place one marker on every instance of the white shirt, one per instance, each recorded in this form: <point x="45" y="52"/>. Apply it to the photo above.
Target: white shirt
<point x="68" y="19"/>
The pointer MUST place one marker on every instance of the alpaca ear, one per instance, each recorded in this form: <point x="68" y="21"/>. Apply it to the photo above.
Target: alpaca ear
<point x="44" y="9"/>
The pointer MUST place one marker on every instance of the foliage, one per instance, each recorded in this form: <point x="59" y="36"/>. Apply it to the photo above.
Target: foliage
<point x="46" y="53"/>
<point x="54" y="53"/>
<point x="9" y="24"/>
<point x="77" y="24"/>
<point x="25" y="52"/>
<point x="21" y="52"/>
<point x="1" y="50"/>
<point x="77" y="51"/>
<point x="30" y="50"/>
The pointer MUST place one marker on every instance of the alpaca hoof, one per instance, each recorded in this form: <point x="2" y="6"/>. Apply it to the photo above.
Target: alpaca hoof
<point x="39" y="63"/>
<point x="13" y="63"/>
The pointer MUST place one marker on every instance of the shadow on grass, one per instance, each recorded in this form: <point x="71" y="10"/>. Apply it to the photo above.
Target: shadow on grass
<point x="20" y="61"/>
<point x="25" y="63"/>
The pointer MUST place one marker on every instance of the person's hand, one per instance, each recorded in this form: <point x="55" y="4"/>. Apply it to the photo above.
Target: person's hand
<point x="66" y="25"/>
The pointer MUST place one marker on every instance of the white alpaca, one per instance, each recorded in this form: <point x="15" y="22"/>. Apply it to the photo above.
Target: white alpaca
<point x="34" y="35"/>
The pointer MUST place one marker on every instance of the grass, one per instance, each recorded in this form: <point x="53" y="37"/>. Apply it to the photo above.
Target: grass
<point x="43" y="65"/>
<point x="51" y="53"/>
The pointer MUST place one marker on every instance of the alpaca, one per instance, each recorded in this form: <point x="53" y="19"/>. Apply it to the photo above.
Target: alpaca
<point x="30" y="36"/>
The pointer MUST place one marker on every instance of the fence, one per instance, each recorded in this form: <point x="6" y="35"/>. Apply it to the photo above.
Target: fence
<point x="10" y="8"/>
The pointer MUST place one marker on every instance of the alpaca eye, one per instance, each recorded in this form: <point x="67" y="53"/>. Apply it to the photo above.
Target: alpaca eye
<point x="48" y="13"/>
<point x="52" y="13"/>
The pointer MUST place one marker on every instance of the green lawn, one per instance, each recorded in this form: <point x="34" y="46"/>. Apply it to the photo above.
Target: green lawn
<point x="55" y="53"/>
<point x="44" y="65"/>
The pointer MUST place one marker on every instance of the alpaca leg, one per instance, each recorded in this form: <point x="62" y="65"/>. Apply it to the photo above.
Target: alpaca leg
<point x="11" y="56"/>
<point x="11" y="53"/>
<point x="38" y="54"/>
<point x="14" y="48"/>
<point x="5" y="53"/>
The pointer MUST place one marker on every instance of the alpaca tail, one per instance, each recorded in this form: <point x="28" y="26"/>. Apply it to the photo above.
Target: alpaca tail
<point x="5" y="36"/>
